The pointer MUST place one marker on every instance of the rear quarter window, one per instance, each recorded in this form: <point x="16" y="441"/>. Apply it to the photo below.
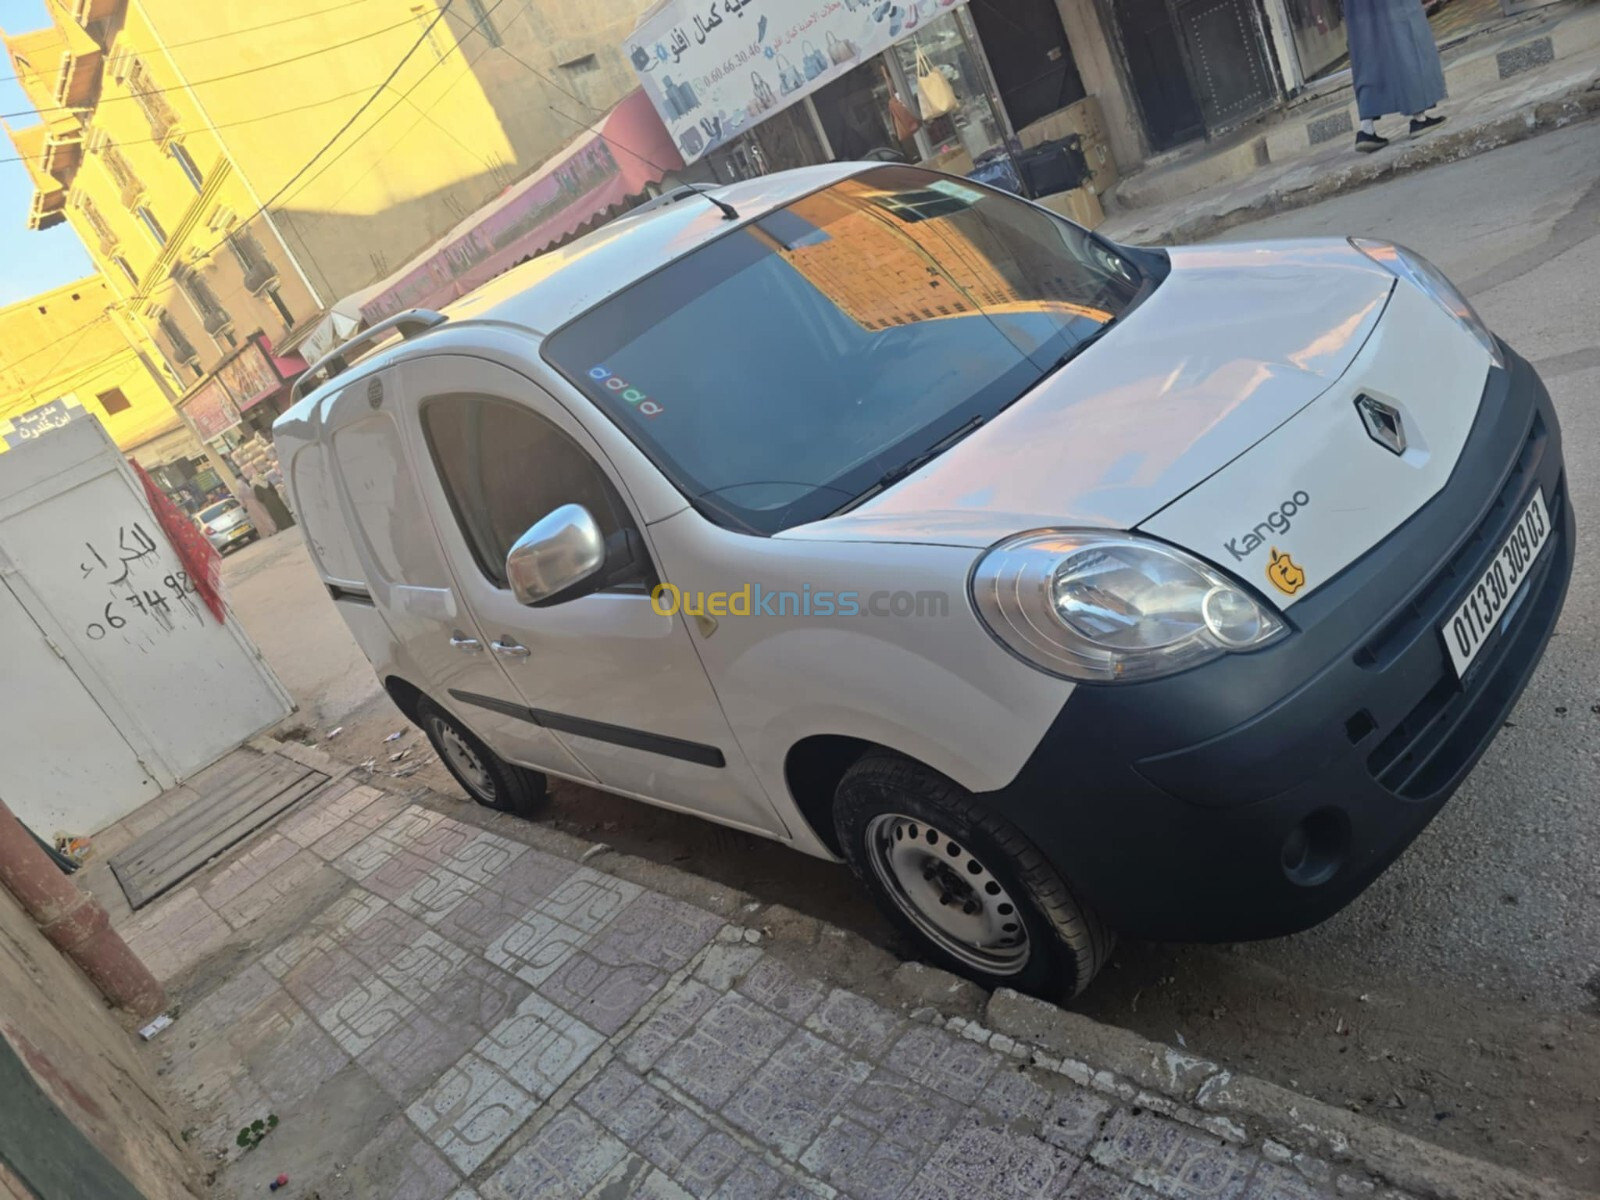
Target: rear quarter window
<point x="332" y="547"/>
<point x="388" y="507"/>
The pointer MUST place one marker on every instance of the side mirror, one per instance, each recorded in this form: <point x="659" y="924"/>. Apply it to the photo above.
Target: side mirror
<point x="556" y="557"/>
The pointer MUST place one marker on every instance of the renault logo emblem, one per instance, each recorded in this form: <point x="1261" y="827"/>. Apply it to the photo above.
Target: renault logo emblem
<point x="1383" y="423"/>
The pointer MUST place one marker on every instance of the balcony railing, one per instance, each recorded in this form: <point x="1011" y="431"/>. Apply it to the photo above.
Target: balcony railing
<point x="260" y="276"/>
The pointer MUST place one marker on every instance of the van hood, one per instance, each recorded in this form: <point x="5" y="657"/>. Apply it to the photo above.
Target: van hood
<point x="1236" y="341"/>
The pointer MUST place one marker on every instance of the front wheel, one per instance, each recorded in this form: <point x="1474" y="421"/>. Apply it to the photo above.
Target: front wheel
<point x="487" y="778"/>
<point x="975" y="895"/>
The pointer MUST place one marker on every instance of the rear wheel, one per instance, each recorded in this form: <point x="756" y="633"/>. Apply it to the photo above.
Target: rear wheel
<point x="974" y="894"/>
<point x="486" y="777"/>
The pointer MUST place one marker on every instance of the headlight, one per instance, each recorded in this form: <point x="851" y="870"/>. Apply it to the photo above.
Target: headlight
<point x="1112" y="608"/>
<point x="1412" y="267"/>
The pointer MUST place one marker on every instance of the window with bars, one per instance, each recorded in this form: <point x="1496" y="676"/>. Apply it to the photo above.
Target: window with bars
<point x="481" y="22"/>
<point x="180" y="346"/>
<point x="212" y="315"/>
<point x="122" y="174"/>
<point x="259" y="273"/>
<point x="186" y="164"/>
<point x="150" y="100"/>
<point x="148" y="219"/>
<point x="95" y="221"/>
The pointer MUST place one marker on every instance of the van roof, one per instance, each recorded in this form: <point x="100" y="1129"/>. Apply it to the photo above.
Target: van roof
<point x="544" y="294"/>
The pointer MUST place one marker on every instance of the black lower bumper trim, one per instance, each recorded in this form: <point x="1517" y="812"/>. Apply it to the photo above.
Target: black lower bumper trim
<point x="1260" y="793"/>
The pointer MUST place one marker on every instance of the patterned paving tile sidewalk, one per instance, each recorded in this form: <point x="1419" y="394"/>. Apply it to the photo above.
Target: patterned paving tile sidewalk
<point x="459" y="1016"/>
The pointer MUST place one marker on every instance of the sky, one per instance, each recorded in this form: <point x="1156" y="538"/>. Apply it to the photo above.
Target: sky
<point x="30" y="261"/>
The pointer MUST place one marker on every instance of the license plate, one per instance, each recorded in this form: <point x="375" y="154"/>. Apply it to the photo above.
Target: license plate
<point x="1490" y="602"/>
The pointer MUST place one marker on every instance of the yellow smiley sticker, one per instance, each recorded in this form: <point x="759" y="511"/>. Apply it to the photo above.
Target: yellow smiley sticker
<point x="1286" y="574"/>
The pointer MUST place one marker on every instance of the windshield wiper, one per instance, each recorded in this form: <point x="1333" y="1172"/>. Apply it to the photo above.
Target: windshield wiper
<point x="895" y="474"/>
<point x="1079" y="347"/>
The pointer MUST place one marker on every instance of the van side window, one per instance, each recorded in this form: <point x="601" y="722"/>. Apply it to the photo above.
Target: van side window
<point x="504" y="468"/>
<point x="387" y="505"/>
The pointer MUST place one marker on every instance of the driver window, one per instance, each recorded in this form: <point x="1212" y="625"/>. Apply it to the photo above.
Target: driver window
<point x="504" y="467"/>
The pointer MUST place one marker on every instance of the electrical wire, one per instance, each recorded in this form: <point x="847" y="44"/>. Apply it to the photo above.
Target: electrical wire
<point x="283" y="112"/>
<point x="337" y="134"/>
<point x="240" y="74"/>
<point x="235" y="32"/>
<point x="402" y="98"/>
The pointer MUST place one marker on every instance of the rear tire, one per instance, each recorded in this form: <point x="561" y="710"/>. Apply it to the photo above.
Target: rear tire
<point x="963" y="883"/>
<point x="482" y="774"/>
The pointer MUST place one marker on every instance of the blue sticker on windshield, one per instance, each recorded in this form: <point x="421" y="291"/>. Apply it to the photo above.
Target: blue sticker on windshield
<point x="625" y="391"/>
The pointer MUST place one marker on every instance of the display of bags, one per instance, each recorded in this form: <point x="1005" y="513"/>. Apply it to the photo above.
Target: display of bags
<point x="935" y="96"/>
<point x="691" y="141"/>
<point x="841" y="50"/>
<point x="815" y="63"/>
<point x="905" y="121"/>
<point x="789" y="79"/>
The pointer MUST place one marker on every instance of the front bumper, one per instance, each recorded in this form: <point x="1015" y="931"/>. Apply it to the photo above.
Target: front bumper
<point x="1259" y="794"/>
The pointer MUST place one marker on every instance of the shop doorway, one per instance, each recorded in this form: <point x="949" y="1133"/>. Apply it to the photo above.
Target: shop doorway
<point x="1028" y="56"/>
<point x="1227" y="53"/>
<point x="1197" y="67"/>
<point x="1158" y="74"/>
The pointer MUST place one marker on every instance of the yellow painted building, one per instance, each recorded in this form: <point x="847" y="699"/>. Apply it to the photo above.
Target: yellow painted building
<point x="235" y="169"/>
<point x="63" y="356"/>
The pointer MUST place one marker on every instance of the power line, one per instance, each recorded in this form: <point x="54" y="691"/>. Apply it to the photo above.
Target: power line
<point x="193" y="83"/>
<point x="237" y="32"/>
<point x="7" y="364"/>
<point x="231" y="124"/>
<point x="401" y="99"/>
<point x="338" y="133"/>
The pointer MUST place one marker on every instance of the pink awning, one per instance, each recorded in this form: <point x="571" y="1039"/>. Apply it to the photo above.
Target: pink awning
<point x="629" y="149"/>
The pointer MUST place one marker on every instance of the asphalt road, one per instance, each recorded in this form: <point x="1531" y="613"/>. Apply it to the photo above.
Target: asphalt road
<point x="1458" y="998"/>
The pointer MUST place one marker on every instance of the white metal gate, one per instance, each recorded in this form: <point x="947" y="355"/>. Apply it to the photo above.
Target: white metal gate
<point x="104" y="594"/>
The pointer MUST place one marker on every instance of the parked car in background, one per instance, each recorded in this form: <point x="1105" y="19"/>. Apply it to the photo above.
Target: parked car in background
<point x="1062" y="588"/>
<point x="226" y="525"/>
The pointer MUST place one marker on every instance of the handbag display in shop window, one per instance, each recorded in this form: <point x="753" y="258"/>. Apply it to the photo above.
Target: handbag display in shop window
<point x="935" y="96"/>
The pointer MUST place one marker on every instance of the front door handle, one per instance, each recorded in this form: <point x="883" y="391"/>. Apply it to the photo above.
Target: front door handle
<point x="462" y="642"/>
<point x="511" y="649"/>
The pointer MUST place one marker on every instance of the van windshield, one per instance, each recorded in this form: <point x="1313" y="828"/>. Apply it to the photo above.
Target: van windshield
<point x="784" y="370"/>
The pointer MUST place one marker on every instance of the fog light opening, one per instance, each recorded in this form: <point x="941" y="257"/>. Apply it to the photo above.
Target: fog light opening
<point x="1315" y="849"/>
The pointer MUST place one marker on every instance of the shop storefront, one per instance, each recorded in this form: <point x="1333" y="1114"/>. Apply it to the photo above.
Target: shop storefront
<point x="765" y="85"/>
<point x="233" y="411"/>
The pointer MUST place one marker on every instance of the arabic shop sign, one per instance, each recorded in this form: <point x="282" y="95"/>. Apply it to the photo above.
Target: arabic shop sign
<point x="714" y="68"/>
<point x="211" y="410"/>
<point x="24" y="427"/>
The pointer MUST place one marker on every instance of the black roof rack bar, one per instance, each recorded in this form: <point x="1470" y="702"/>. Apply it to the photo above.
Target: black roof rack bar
<point x="335" y="363"/>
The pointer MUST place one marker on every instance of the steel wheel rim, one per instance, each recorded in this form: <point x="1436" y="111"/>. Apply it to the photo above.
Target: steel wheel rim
<point x="465" y="759"/>
<point x="948" y="894"/>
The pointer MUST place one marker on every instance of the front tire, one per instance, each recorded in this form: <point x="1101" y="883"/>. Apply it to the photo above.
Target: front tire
<point x="963" y="883"/>
<point x="483" y="774"/>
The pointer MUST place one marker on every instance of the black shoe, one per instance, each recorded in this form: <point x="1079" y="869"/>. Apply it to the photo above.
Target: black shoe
<point x="1424" y="125"/>
<point x="1366" y="143"/>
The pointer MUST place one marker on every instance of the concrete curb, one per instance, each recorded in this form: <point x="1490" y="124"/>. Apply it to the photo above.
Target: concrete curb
<point x="1577" y="104"/>
<point x="1332" y="1148"/>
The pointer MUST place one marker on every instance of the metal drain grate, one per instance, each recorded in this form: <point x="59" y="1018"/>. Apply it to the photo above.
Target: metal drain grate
<point x="235" y="805"/>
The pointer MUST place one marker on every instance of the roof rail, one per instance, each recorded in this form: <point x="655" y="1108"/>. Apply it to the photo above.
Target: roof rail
<point x="336" y="362"/>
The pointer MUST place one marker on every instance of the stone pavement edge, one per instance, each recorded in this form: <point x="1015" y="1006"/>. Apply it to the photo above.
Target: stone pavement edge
<point x="438" y="1002"/>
